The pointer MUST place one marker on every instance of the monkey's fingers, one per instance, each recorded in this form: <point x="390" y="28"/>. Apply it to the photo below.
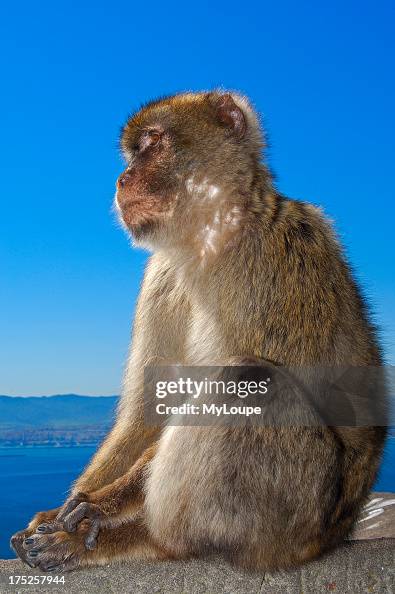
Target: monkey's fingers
<point x="65" y="510"/>
<point x="91" y="537"/>
<point x="67" y="507"/>
<point x="71" y="504"/>
<point x="83" y="511"/>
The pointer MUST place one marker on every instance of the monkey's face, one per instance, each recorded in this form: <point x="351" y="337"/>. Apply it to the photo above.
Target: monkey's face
<point x="186" y="155"/>
<point x="145" y="190"/>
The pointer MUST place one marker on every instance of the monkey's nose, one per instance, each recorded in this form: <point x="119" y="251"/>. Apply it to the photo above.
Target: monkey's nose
<point x="123" y="179"/>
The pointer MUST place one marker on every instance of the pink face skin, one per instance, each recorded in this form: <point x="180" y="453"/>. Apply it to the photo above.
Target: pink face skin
<point x="142" y="197"/>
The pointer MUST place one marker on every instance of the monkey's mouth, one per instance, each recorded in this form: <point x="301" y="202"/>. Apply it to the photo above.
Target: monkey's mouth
<point x="134" y="219"/>
<point x="140" y="213"/>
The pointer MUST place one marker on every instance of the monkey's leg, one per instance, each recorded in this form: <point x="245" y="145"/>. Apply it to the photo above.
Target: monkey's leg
<point x="107" y="507"/>
<point x="65" y="551"/>
<point x="260" y="493"/>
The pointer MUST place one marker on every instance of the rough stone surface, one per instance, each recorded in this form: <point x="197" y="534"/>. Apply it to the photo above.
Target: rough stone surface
<point x="364" y="564"/>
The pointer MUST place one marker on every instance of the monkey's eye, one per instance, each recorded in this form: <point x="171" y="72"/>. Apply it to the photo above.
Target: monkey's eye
<point x="154" y="137"/>
<point x="148" y="139"/>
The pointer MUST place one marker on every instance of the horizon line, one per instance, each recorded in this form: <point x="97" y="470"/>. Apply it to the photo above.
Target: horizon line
<point x="55" y="395"/>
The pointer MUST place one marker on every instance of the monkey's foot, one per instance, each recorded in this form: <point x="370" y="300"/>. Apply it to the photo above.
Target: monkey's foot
<point x="18" y="538"/>
<point x="75" y="510"/>
<point x="56" y="551"/>
<point x="16" y="543"/>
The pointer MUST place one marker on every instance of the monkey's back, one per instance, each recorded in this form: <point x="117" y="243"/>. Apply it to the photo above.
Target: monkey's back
<point x="286" y="294"/>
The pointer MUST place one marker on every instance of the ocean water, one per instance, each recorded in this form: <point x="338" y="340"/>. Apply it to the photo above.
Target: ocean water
<point x="38" y="478"/>
<point x="34" y="479"/>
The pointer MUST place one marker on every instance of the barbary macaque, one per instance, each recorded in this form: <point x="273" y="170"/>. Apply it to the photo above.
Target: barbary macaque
<point x="239" y="276"/>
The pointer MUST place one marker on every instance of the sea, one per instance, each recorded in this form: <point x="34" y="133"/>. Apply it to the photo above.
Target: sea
<point x="38" y="478"/>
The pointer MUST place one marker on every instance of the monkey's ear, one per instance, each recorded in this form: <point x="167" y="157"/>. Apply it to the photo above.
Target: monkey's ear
<point x="230" y="114"/>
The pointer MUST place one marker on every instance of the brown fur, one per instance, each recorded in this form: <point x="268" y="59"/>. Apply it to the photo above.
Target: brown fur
<point x="239" y="273"/>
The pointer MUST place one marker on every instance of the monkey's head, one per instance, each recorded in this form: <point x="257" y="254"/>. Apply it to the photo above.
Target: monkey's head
<point x="191" y="162"/>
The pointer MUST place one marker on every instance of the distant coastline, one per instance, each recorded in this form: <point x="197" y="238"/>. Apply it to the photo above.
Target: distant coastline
<point x="70" y="439"/>
<point x="68" y="420"/>
<point x="43" y="446"/>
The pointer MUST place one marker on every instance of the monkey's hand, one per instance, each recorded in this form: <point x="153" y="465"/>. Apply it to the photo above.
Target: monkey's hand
<point x="78" y="507"/>
<point x="103" y="508"/>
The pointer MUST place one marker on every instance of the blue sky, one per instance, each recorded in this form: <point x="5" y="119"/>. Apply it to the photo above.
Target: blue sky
<point x="320" y="73"/>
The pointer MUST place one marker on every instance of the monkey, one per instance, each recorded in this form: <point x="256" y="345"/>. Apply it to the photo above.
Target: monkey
<point x="239" y="275"/>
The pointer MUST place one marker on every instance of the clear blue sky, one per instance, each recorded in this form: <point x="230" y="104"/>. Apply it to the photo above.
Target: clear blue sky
<point x="321" y="74"/>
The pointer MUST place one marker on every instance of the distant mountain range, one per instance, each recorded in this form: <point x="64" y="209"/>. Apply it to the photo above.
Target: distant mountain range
<point x="67" y="410"/>
<point x="63" y="420"/>
<point x="67" y="419"/>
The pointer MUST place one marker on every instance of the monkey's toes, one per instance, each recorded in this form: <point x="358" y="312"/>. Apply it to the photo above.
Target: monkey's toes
<point x="36" y="542"/>
<point x="49" y="527"/>
<point x="52" y="552"/>
<point x="35" y="545"/>
<point x="16" y="543"/>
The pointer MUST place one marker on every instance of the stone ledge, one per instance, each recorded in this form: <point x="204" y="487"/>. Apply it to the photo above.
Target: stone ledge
<point x="364" y="564"/>
<point x="360" y="566"/>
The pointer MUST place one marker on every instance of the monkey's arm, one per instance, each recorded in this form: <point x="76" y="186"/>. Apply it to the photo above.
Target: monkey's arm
<point x="105" y="508"/>
<point x="159" y="329"/>
<point x="160" y="322"/>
